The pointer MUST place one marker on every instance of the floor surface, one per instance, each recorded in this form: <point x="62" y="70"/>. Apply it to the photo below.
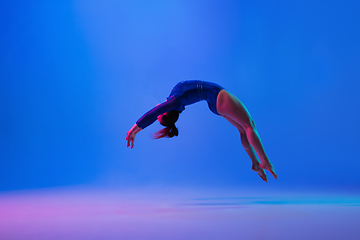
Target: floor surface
<point x="84" y="213"/>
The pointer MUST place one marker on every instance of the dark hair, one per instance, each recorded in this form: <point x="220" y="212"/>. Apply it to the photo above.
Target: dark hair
<point x="168" y="120"/>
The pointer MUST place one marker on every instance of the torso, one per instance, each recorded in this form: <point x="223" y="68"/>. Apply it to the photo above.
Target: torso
<point x="189" y="92"/>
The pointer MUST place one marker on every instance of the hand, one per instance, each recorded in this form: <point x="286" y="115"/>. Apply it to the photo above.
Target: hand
<point x="130" y="136"/>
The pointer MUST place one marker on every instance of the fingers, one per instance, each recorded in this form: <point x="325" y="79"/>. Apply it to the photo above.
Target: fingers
<point x="127" y="140"/>
<point x="130" y="142"/>
<point x="130" y="138"/>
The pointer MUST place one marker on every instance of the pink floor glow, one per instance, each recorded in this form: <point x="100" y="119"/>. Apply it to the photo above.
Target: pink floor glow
<point x="84" y="213"/>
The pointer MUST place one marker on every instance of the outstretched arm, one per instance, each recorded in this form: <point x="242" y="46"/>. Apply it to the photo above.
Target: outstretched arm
<point x="130" y="136"/>
<point x="150" y="117"/>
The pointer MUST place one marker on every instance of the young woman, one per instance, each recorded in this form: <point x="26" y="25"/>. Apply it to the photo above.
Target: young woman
<point x="220" y="102"/>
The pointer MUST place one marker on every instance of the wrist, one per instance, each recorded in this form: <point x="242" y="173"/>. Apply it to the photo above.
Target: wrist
<point x="137" y="128"/>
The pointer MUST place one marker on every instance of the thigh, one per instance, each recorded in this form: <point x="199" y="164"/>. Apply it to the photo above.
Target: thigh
<point x="235" y="124"/>
<point x="230" y="106"/>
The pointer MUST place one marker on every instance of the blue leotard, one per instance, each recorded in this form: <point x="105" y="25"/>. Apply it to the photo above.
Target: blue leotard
<point x="183" y="94"/>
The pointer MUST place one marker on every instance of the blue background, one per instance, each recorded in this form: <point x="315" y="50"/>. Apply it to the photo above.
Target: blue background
<point x="76" y="75"/>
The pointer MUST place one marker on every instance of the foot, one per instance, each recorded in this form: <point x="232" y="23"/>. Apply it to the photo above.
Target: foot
<point x="260" y="171"/>
<point x="268" y="166"/>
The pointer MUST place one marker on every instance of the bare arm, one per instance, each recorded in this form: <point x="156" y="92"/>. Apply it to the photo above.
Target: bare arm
<point x="130" y="136"/>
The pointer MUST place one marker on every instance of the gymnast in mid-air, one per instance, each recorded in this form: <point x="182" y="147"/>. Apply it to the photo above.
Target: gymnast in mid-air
<point x="220" y="102"/>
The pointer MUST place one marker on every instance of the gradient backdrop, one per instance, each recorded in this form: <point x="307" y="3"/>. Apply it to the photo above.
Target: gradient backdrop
<point x="76" y="75"/>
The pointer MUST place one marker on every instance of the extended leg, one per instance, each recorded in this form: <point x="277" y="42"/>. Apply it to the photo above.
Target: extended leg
<point x="255" y="141"/>
<point x="249" y="149"/>
<point x="231" y="107"/>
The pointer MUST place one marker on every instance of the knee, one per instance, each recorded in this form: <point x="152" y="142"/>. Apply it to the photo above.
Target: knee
<point x="249" y="125"/>
<point x="253" y="124"/>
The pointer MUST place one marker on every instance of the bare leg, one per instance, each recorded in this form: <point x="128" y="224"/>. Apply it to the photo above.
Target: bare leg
<point x="230" y="106"/>
<point x="255" y="141"/>
<point x="249" y="149"/>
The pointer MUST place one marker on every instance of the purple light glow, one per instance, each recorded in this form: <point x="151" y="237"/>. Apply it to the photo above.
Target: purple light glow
<point x="95" y="214"/>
